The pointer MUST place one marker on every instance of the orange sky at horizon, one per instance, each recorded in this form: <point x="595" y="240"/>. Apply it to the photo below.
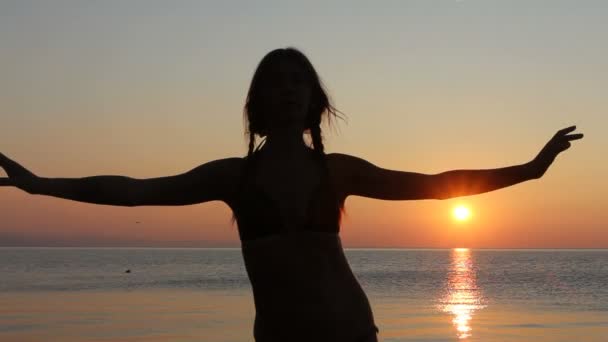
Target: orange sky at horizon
<point x="141" y="91"/>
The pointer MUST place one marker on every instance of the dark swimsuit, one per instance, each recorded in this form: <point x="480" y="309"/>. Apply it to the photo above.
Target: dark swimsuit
<point x="303" y="287"/>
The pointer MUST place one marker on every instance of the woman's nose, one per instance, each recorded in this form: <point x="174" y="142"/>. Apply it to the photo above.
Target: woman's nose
<point x="287" y="84"/>
<point x="288" y="89"/>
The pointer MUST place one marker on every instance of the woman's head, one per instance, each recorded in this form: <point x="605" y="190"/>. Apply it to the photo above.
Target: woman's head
<point x="286" y="94"/>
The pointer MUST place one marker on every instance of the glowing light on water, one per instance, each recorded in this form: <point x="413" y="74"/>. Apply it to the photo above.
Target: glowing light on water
<point x="462" y="297"/>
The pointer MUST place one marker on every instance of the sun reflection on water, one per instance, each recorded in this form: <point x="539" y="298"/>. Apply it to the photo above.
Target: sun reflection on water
<point x="462" y="296"/>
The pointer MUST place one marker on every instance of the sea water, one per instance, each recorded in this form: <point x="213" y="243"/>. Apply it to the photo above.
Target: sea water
<point x="192" y="294"/>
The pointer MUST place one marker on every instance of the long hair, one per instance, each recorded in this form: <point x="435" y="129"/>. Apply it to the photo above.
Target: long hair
<point x="320" y="103"/>
<point x="320" y="106"/>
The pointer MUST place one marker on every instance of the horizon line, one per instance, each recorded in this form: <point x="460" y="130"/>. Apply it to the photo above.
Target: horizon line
<point x="345" y="248"/>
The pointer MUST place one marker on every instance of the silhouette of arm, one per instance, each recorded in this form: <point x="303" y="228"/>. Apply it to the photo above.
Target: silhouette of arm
<point x="355" y="176"/>
<point x="207" y="182"/>
<point x="362" y="178"/>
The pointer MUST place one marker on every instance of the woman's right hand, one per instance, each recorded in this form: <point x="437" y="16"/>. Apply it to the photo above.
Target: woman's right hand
<point x="18" y="176"/>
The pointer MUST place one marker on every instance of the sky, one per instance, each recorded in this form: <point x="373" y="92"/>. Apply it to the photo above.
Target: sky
<point x="154" y="88"/>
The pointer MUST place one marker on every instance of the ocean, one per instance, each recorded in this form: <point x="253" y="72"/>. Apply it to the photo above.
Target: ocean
<point x="199" y="294"/>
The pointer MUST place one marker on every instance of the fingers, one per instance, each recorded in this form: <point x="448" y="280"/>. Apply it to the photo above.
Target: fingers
<point x="574" y="136"/>
<point x="562" y="134"/>
<point x="566" y="130"/>
<point x="4" y="160"/>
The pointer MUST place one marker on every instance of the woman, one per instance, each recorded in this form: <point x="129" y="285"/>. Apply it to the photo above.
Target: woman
<point x="287" y="197"/>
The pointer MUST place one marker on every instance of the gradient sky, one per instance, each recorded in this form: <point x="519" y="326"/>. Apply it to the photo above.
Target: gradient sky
<point x="155" y="88"/>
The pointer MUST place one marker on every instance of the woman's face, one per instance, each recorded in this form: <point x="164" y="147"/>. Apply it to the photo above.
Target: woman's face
<point x="286" y="93"/>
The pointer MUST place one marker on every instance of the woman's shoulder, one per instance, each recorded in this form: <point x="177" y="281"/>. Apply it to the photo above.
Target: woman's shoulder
<point x="229" y="165"/>
<point x="337" y="157"/>
<point x="234" y="167"/>
<point x="346" y="170"/>
<point x="226" y="174"/>
<point x="340" y="162"/>
<point x="340" y="168"/>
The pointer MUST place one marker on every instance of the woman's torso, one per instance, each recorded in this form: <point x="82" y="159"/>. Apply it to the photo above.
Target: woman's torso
<point x="302" y="284"/>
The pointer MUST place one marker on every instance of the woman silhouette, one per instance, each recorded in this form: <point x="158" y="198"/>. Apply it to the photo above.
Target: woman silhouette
<point x="287" y="196"/>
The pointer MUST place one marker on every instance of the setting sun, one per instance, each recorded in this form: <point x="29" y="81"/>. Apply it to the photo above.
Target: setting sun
<point x="461" y="213"/>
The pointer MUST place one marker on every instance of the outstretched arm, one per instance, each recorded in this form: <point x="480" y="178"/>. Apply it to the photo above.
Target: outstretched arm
<point x="355" y="176"/>
<point x="207" y="182"/>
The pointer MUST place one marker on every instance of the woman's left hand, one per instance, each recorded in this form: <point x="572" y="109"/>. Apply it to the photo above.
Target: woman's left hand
<point x="559" y="143"/>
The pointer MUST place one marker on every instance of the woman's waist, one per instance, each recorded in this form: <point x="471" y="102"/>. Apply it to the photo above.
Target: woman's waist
<point x="304" y="275"/>
<point x="311" y="265"/>
<point x="325" y="296"/>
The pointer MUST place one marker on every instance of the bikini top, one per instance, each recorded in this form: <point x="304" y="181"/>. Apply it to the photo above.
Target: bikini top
<point x="258" y="215"/>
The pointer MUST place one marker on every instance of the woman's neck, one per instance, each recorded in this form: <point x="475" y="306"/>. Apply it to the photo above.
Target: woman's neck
<point x="286" y="145"/>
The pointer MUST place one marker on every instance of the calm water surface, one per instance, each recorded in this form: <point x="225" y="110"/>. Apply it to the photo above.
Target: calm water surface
<point x="84" y="294"/>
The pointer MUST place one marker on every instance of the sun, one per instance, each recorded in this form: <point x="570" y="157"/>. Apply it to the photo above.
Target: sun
<point x="461" y="213"/>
